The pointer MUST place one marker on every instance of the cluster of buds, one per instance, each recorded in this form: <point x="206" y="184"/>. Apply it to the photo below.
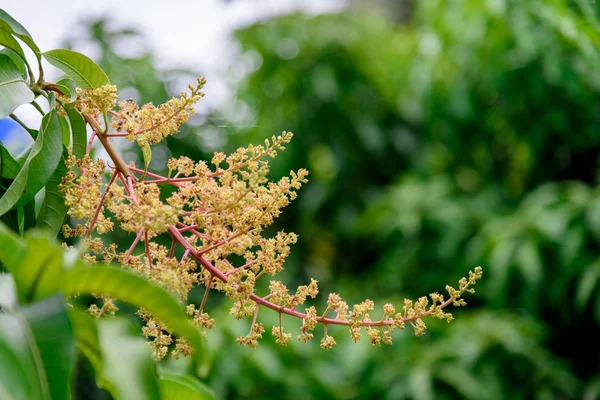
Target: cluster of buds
<point x="215" y="215"/>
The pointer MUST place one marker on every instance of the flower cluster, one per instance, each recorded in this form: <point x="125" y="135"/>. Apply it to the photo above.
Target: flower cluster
<point x="150" y="124"/>
<point x="215" y="215"/>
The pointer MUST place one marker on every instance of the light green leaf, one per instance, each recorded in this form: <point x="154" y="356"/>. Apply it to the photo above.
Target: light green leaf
<point x="19" y="31"/>
<point x="587" y="283"/>
<point x="79" y="131"/>
<point x="66" y="131"/>
<point x="137" y="291"/>
<point x="184" y="387"/>
<point x="85" y="72"/>
<point x="39" y="165"/>
<point x="106" y="343"/>
<point x="37" y="350"/>
<point x="53" y="211"/>
<point x="13" y="88"/>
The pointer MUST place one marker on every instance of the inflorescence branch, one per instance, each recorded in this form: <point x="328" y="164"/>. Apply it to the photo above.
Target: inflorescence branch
<point x="214" y="214"/>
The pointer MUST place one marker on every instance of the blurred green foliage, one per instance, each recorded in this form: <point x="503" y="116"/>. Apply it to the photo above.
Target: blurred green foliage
<point x="467" y="135"/>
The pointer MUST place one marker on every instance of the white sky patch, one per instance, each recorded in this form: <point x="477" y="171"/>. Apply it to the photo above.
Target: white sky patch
<point x="194" y="34"/>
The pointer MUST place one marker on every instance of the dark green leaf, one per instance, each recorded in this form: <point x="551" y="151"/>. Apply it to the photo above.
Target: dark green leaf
<point x="79" y="131"/>
<point x="53" y="211"/>
<point x="85" y="72"/>
<point x="13" y="88"/>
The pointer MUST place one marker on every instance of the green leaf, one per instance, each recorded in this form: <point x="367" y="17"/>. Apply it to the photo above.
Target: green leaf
<point x="66" y="131"/>
<point x="7" y="40"/>
<point x="39" y="165"/>
<point x="36" y="263"/>
<point x="85" y="72"/>
<point x="37" y="352"/>
<point x="147" y="153"/>
<point x="137" y="291"/>
<point x="12" y="248"/>
<point x="79" y="131"/>
<point x="13" y="88"/>
<point x="106" y="343"/>
<point x="9" y="167"/>
<point x="53" y="211"/>
<point x="19" y="31"/>
<point x="184" y="387"/>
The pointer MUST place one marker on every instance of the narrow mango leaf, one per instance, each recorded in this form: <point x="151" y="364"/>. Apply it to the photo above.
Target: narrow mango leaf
<point x="35" y="262"/>
<point x="79" y="131"/>
<point x="137" y="291"/>
<point x="106" y="343"/>
<point x="39" y="165"/>
<point x="19" y="31"/>
<point x="184" y="387"/>
<point x="85" y="72"/>
<point x="13" y="88"/>
<point x="66" y="131"/>
<point x="53" y="210"/>
<point x="37" y="350"/>
<point x="147" y="153"/>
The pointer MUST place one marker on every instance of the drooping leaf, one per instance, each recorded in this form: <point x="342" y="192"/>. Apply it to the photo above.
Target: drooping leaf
<point x="137" y="291"/>
<point x="106" y="343"/>
<point x="37" y="350"/>
<point x="184" y="387"/>
<point x="17" y="60"/>
<point x="53" y="210"/>
<point x="13" y="88"/>
<point x="19" y="31"/>
<point x="39" y="165"/>
<point x="79" y="131"/>
<point x="85" y="72"/>
<point x="35" y="262"/>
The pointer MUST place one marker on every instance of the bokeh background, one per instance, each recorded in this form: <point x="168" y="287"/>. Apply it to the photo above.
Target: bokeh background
<point x="440" y="135"/>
